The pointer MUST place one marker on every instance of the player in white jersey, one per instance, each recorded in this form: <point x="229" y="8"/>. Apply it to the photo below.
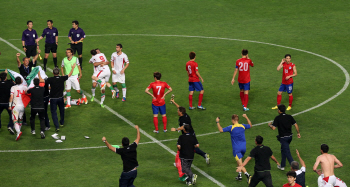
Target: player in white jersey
<point x="119" y="64"/>
<point x="16" y="105"/>
<point x="101" y="74"/>
<point x="338" y="182"/>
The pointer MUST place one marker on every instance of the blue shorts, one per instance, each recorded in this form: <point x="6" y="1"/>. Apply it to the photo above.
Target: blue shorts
<point x="157" y="109"/>
<point x="244" y="86"/>
<point x="195" y="86"/>
<point x="238" y="153"/>
<point x="286" y="88"/>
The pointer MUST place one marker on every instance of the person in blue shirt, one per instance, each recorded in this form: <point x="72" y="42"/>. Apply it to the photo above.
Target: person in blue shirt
<point x="236" y="131"/>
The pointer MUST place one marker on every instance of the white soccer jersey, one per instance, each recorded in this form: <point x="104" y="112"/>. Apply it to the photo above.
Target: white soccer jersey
<point x="99" y="58"/>
<point x="17" y="91"/>
<point x="119" y="61"/>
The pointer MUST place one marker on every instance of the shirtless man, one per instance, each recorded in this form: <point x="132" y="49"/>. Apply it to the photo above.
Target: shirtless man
<point x="327" y="164"/>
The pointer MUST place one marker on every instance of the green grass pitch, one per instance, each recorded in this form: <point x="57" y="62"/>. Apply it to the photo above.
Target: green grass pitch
<point x="157" y="36"/>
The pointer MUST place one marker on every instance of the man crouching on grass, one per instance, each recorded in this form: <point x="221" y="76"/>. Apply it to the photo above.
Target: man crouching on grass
<point x="129" y="155"/>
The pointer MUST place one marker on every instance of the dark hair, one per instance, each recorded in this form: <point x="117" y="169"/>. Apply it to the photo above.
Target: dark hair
<point x="93" y="52"/>
<point x="56" y="71"/>
<point x="125" y="141"/>
<point x="182" y="110"/>
<point x="244" y="52"/>
<point x="259" y="139"/>
<point x="24" y="58"/>
<point x="192" y="55"/>
<point x="187" y="128"/>
<point x="120" y="45"/>
<point x="3" y="76"/>
<point x="50" y="21"/>
<point x="71" y="50"/>
<point x="18" y="80"/>
<point x="29" y="22"/>
<point x="235" y="117"/>
<point x="97" y="49"/>
<point x="157" y="75"/>
<point x="294" y="165"/>
<point x="75" y="22"/>
<point x="36" y="81"/>
<point x="324" y="148"/>
<point x="285" y="56"/>
<point x="282" y="108"/>
<point x="292" y="174"/>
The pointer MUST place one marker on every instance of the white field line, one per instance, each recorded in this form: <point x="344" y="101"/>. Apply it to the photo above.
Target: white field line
<point x="133" y="125"/>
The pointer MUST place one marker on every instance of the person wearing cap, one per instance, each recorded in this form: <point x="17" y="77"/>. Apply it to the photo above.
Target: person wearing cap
<point x="284" y="123"/>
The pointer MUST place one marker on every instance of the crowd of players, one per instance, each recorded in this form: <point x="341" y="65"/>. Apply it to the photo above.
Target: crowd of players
<point x="51" y="90"/>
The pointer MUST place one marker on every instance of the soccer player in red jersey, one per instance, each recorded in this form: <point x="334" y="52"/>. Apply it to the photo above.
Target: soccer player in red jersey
<point x="289" y="71"/>
<point x="193" y="81"/>
<point x="291" y="180"/>
<point x="158" y="103"/>
<point x="242" y="65"/>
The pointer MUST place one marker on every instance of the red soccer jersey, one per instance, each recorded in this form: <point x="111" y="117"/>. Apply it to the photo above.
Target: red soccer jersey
<point x="191" y="68"/>
<point x="158" y="88"/>
<point x="287" y="71"/>
<point x="242" y="65"/>
<point x="295" y="185"/>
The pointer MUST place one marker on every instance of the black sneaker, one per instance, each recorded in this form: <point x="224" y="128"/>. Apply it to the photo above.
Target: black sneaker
<point x="239" y="177"/>
<point x="42" y="135"/>
<point x="57" y="130"/>
<point x="11" y="130"/>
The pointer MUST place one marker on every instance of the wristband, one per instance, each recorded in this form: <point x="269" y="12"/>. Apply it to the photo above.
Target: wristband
<point x="10" y="104"/>
<point x="217" y="122"/>
<point x="104" y="141"/>
<point x="113" y="69"/>
<point x="24" y="46"/>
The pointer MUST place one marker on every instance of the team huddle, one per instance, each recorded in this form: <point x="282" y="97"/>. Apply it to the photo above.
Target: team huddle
<point x="32" y="84"/>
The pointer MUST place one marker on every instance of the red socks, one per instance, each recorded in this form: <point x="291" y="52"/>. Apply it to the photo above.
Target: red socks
<point x="241" y="94"/>
<point x="200" y="98"/>
<point x="290" y="100"/>
<point x="246" y="99"/>
<point x="190" y="99"/>
<point x="165" y="120"/>
<point x="279" y="98"/>
<point x="155" y="121"/>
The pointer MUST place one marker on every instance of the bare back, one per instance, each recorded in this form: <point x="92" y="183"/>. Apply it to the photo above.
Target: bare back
<point x="327" y="163"/>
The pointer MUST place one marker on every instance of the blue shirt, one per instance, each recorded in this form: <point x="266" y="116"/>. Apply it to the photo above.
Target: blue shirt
<point x="29" y="37"/>
<point x="76" y="34"/>
<point x="50" y="35"/>
<point x="237" y="134"/>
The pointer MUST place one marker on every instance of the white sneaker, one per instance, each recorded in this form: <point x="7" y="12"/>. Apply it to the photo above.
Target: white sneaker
<point x="113" y="94"/>
<point x="207" y="158"/>
<point x="33" y="131"/>
<point x="194" y="179"/>
<point x="155" y="131"/>
<point x="279" y="167"/>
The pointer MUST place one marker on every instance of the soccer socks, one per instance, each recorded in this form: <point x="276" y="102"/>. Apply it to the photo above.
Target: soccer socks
<point x="124" y="89"/>
<point x="17" y="127"/>
<point x="246" y="99"/>
<point x="111" y="87"/>
<point x="45" y="62"/>
<point x="155" y="122"/>
<point x="246" y="174"/>
<point x="68" y="98"/>
<point x="115" y="87"/>
<point x="99" y="81"/>
<point x="165" y="120"/>
<point x="200" y="98"/>
<point x="279" y="98"/>
<point x="81" y="62"/>
<point x="102" y="98"/>
<point x="82" y="94"/>
<point x="55" y="61"/>
<point x="241" y="94"/>
<point x="190" y="98"/>
<point x="290" y="100"/>
<point x="93" y="91"/>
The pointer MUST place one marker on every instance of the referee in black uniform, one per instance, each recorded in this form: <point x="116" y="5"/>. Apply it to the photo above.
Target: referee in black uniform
<point x="29" y="43"/>
<point x="56" y="84"/>
<point x="37" y="106"/>
<point x="5" y="89"/>
<point x="129" y="156"/>
<point x="76" y="36"/>
<point x="262" y="155"/>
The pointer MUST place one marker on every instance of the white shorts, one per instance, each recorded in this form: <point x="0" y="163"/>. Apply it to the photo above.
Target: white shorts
<point x="17" y="112"/>
<point x="73" y="81"/>
<point x="323" y="182"/>
<point x="118" y="77"/>
<point x="102" y="75"/>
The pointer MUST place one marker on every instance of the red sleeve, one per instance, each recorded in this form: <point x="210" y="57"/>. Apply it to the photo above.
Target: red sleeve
<point x="196" y="67"/>
<point x="150" y="86"/>
<point x="42" y="84"/>
<point x="251" y="63"/>
<point x="237" y="65"/>
<point x="167" y="85"/>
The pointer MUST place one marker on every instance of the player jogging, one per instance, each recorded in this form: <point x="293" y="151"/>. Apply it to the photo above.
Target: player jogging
<point x="101" y="75"/>
<point x="193" y="81"/>
<point x="119" y="64"/>
<point x="242" y="65"/>
<point x="158" y="103"/>
<point x="73" y="81"/>
<point x="16" y="105"/>
<point x="238" y="141"/>
<point x="289" y="71"/>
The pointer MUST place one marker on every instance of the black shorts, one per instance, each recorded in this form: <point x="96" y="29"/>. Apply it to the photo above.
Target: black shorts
<point x="77" y="48"/>
<point x="50" y="47"/>
<point x="263" y="176"/>
<point x="31" y="50"/>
